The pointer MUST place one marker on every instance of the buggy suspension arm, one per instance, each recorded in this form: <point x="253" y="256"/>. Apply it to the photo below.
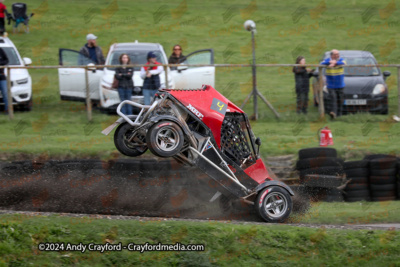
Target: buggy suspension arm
<point x="220" y="170"/>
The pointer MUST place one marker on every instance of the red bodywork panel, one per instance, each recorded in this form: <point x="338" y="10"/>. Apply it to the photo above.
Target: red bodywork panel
<point x="200" y="102"/>
<point x="210" y="106"/>
<point x="258" y="172"/>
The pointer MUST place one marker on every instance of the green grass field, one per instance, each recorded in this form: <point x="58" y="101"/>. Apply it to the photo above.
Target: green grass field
<point x="285" y="30"/>
<point x="226" y="244"/>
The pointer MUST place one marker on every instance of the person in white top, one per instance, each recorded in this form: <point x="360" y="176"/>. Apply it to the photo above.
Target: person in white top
<point x="151" y="76"/>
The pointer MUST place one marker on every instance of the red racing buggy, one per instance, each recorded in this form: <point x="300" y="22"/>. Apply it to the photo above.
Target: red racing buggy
<point x="202" y="128"/>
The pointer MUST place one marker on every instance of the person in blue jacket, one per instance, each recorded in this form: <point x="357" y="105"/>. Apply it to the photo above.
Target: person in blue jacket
<point x="335" y="82"/>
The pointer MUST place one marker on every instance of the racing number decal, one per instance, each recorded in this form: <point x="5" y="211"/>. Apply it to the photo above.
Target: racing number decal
<point x="219" y="106"/>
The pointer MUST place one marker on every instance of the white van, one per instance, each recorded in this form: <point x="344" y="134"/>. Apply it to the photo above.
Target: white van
<point x="72" y="80"/>
<point x="21" y="81"/>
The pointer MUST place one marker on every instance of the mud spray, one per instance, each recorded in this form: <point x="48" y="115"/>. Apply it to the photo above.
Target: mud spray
<point x="121" y="187"/>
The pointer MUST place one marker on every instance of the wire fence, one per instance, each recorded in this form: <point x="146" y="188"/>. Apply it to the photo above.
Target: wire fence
<point x="166" y="67"/>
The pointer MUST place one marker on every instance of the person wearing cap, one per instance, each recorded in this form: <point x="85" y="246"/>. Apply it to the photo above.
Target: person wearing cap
<point x="92" y="51"/>
<point x="151" y="76"/>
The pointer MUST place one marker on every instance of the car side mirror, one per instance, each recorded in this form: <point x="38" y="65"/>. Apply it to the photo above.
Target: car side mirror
<point x="181" y="68"/>
<point x="386" y="74"/>
<point x="27" y="61"/>
<point x="91" y="67"/>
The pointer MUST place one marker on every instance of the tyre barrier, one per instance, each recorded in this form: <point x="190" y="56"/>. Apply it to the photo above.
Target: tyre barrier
<point x="357" y="173"/>
<point x="376" y="177"/>
<point x="320" y="174"/>
<point x="382" y="179"/>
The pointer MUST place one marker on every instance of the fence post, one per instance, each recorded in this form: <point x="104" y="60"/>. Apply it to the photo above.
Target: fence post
<point x="88" y="100"/>
<point x="321" y="106"/>
<point x="166" y="76"/>
<point x="9" y="96"/>
<point x="398" y="90"/>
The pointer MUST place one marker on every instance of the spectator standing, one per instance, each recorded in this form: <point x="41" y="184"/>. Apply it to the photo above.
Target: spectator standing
<point x="3" y="79"/>
<point x="92" y="51"/>
<point x="3" y="10"/>
<point x="335" y="82"/>
<point x="151" y="76"/>
<point x="302" y="79"/>
<point x="176" y="57"/>
<point x="125" y="83"/>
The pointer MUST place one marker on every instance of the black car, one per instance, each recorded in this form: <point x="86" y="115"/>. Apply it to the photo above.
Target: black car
<point x="365" y="87"/>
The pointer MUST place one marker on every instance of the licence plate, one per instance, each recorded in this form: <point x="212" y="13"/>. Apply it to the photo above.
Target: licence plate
<point x="355" y="101"/>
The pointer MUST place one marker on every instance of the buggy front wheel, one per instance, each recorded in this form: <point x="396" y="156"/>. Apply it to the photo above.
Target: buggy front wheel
<point x="165" y="139"/>
<point x="132" y="148"/>
<point x="274" y="204"/>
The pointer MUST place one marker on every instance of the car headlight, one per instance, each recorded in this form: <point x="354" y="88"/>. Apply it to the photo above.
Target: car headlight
<point x="22" y="81"/>
<point x="378" y="89"/>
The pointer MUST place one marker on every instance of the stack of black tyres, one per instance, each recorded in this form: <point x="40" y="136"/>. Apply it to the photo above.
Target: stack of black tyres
<point x="319" y="160"/>
<point x="357" y="189"/>
<point x="382" y="177"/>
<point x="326" y="169"/>
<point x="398" y="178"/>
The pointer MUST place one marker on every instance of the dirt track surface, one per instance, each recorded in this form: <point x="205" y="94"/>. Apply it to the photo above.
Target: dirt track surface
<point x="28" y="214"/>
<point x="129" y="187"/>
<point x="144" y="189"/>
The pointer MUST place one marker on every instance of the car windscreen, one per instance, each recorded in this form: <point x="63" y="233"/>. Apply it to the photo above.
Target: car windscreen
<point x="360" y="71"/>
<point x="136" y="56"/>
<point x="11" y="55"/>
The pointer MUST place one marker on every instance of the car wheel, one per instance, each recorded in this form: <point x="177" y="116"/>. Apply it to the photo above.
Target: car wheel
<point x="357" y="172"/>
<point x="121" y="141"/>
<point x="382" y="179"/>
<point x="382" y="187"/>
<point x="357" y="193"/>
<point x="322" y="171"/>
<point x="274" y="204"/>
<point x="383" y="163"/>
<point x="356" y="187"/>
<point x="165" y="139"/>
<point x="383" y="172"/>
<point x="317" y="152"/>
<point x="318" y="162"/>
<point x="379" y="156"/>
<point x="358" y="180"/>
<point x="355" y="164"/>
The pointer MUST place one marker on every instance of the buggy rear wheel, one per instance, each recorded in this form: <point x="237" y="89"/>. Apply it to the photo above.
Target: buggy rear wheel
<point x="274" y="204"/>
<point x="121" y="141"/>
<point x="165" y="139"/>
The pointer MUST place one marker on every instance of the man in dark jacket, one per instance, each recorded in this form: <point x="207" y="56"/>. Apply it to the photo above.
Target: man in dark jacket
<point x="125" y="83"/>
<point x="92" y="51"/>
<point x="302" y="79"/>
<point x="3" y="79"/>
